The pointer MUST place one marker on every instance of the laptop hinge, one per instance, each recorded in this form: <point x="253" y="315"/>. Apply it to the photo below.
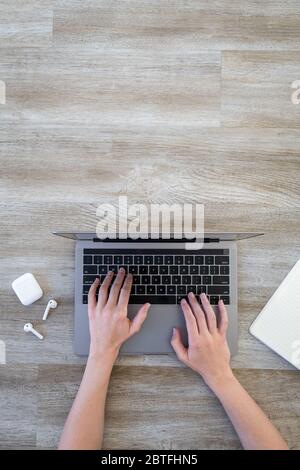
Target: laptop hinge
<point x="166" y="240"/>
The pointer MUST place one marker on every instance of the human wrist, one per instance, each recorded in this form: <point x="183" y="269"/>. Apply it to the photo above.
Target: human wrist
<point x="98" y="371"/>
<point x="220" y="382"/>
<point x="103" y="359"/>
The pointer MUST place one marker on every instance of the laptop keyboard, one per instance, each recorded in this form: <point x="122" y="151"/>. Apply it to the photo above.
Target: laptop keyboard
<point x="162" y="276"/>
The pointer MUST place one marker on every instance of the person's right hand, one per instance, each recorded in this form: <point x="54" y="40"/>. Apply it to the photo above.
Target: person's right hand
<point x="207" y="352"/>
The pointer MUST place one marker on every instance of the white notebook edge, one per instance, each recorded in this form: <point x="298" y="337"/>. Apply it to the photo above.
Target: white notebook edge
<point x="258" y="317"/>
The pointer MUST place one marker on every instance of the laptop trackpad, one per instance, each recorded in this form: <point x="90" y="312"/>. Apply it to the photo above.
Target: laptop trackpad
<point x="156" y="332"/>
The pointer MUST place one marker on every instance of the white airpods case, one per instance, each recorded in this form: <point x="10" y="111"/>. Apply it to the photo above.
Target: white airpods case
<point x="27" y="288"/>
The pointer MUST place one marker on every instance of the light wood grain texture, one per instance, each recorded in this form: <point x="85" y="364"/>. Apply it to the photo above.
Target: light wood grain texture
<point x="175" y="25"/>
<point x="25" y="26"/>
<point x="178" y="101"/>
<point x="256" y="89"/>
<point x="242" y="166"/>
<point x="165" y="408"/>
<point x="236" y="7"/>
<point x="105" y="86"/>
<point x="18" y="404"/>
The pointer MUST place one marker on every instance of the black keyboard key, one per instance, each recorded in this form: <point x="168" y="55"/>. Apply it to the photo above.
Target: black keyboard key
<point x="153" y="269"/>
<point x="171" y="290"/>
<point x="108" y="259"/>
<point x="201" y="289"/>
<point x="113" y="267"/>
<point x="90" y="269"/>
<point x="133" y="290"/>
<point x="140" y="290"/>
<point x="192" y="289"/>
<point x="138" y="259"/>
<point x="87" y="259"/>
<point x="186" y="279"/>
<point x="133" y="269"/>
<point x="218" y="290"/>
<point x="221" y="280"/>
<point x="128" y="259"/>
<point x="136" y="279"/>
<point x="148" y="259"/>
<point x="158" y="259"/>
<point x="181" y="290"/>
<point x="84" y="299"/>
<point x="102" y="277"/>
<point x="222" y="260"/>
<point x="146" y="280"/>
<point x="143" y="269"/>
<point x="156" y="279"/>
<point x="102" y="269"/>
<point x="176" y="280"/>
<point x="206" y="279"/>
<point x="163" y="270"/>
<point x="173" y="269"/>
<point x="184" y="269"/>
<point x="189" y="259"/>
<point x="118" y="259"/>
<point x="204" y="270"/>
<point x="214" y="270"/>
<point x="178" y="259"/>
<point x="196" y="280"/>
<point x="209" y="260"/>
<point x="161" y="290"/>
<point x="155" y="299"/>
<point x="150" y="290"/>
<point x="85" y="289"/>
<point x="224" y="270"/>
<point x="166" y="280"/>
<point x="214" y="299"/>
<point x="88" y="279"/>
<point x="225" y="299"/>
<point x="179" y="298"/>
<point x="194" y="269"/>
<point x="98" y="259"/>
<point x="199" y="259"/>
<point x="169" y="259"/>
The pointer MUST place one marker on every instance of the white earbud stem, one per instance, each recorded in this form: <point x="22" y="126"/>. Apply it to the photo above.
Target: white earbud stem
<point x="28" y="328"/>
<point x="51" y="304"/>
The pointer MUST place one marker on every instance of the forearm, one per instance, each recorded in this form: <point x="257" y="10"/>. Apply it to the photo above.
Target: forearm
<point x="252" y="426"/>
<point x="84" y="426"/>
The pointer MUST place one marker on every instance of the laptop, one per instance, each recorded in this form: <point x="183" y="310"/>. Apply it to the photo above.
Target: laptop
<point x="164" y="271"/>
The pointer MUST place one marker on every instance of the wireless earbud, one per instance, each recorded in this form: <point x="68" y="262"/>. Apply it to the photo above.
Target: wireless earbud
<point x="28" y="328"/>
<point x="51" y="304"/>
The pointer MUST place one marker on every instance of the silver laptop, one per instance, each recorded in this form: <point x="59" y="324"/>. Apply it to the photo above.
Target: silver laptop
<point x="164" y="271"/>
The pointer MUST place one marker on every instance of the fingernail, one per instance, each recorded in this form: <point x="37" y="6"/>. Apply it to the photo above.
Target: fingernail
<point x="148" y="305"/>
<point x="191" y="294"/>
<point x="221" y="301"/>
<point x="183" y="301"/>
<point x="174" y="332"/>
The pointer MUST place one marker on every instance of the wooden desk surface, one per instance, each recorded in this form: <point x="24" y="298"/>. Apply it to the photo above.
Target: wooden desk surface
<point x="178" y="101"/>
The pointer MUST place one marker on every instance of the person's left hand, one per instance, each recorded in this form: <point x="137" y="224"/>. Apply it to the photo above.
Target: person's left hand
<point x="109" y="325"/>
